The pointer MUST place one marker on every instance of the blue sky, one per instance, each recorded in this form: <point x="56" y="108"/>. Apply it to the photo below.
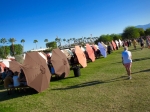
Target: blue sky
<point x="46" y="19"/>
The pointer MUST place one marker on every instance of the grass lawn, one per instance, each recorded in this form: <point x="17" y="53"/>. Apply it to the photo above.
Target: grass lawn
<point x="102" y="87"/>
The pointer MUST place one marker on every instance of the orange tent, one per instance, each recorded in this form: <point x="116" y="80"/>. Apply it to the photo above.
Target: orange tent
<point x="90" y="52"/>
<point x="81" y="56"/>
<point x="2" y="66"/>
<point x="113" y="44"/>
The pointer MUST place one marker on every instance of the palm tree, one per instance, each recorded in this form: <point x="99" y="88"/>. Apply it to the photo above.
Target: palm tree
<point x="3" y="41"/>
<point x="46" y="40"/>
<point x="22" y="41"/>
<point x="92" y="39"/>
<point x="35" y="41"/>
<point x="88" y="39"/>
<point x="58" y="41"/>
<point x="85" y="39"/>
<point x="64" y="41"/>
<point x="68" y="40"/>
<point x="80" y="40"/>
<point x="12" y="41"/>
<point x="76" y="41"/>
<point x="73" y="40"/>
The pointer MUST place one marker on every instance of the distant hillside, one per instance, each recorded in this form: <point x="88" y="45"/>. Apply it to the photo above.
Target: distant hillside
<point x="143" y="26"/>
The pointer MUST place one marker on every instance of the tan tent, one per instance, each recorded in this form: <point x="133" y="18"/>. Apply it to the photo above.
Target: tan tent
<point x="14" y="66"/>
<point x="81" y="56"/>
<point x="60" y="62"/>
<point x="105" y="46"/>
<point x="111" y="45"/>
<point x="95" y="48"/>
<point x="67" y="53"/>
<point x="36" y="71"/>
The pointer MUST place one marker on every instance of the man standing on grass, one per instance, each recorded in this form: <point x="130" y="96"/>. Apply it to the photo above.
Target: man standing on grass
<point x="141" y="40"/>
<point x="127" y="61"/>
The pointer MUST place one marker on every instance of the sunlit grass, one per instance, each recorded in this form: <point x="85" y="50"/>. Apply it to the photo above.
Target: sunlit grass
<point x="102" y="87"/>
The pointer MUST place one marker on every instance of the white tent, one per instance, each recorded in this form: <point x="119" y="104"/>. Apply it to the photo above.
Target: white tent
<point x="6" y="62"/>
<point x="120" y="42"/>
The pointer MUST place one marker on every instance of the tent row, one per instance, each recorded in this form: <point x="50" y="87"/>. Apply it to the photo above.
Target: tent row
<point x="38" y="73"/>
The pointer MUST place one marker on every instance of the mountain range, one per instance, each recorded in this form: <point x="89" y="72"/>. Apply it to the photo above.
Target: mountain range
<point x="143" y="26"/>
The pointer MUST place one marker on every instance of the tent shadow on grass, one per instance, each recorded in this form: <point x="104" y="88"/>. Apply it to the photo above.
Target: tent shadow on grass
<point x="91" y="83"/>
<point x="15" y="94"/>
<point x="57" y="79"/>
<point x="29" y="91"/>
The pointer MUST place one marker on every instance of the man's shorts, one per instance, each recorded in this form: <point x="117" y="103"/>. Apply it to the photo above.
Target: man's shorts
<point x="128" y="65"/>
<point x="142" y="45"/>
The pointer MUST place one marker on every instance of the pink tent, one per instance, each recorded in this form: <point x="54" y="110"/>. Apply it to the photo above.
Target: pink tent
<point x="113" y="44"/>
<point x="90" y="52"/>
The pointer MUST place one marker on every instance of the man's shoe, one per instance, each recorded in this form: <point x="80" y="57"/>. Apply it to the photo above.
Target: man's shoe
<point x="130" y="77"/>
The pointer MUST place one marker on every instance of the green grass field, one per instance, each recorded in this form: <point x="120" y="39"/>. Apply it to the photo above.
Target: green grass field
<point x="102" y="87"/>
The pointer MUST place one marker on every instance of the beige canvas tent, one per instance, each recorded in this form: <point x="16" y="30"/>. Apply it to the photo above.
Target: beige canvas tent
<point x="60" y="62"/>
<point x="36" y="71"/>
<point x="14" y="66"/>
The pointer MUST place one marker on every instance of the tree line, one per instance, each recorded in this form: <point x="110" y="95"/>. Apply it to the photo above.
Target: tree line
<point x="13" y="49"/>
<point x="130" y="32"/>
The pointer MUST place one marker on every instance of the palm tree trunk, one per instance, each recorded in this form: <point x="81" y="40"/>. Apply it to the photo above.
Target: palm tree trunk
<point x="13" y="49"/>
<point x="23" y="47"/>
<point x="4" y="51"/>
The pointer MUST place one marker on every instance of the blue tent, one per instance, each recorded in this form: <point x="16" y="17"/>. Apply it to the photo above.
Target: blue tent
<point x="102" y="49"/>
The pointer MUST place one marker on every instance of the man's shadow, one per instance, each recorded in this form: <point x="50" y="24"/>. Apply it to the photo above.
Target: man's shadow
<point x="140" y="59"/>
<point x="134" y="60"/>
<point x="147" y="70"/>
